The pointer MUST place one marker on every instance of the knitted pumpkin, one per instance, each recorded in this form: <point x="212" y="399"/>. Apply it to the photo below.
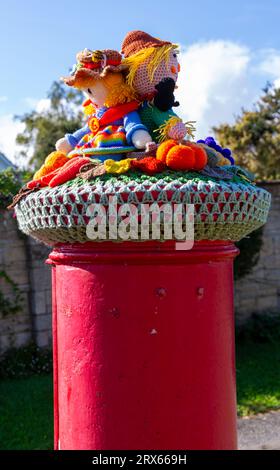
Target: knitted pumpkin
<point x="164" y="148"/>
<point x="200" y="156"/>
<point x="187" y="156"/>
<point x="180" y="157"/>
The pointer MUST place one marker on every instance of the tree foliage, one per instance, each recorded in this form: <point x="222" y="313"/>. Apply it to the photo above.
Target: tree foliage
<point x="43" y="129"/>
<point x="11" y="180"/>
<point x="255" y="136"/>
<point x="250" y="249"/>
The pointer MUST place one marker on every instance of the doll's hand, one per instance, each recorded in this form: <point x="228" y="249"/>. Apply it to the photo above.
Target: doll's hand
<point x="63" y="146"/>
<point x="178" y="131"/>
<point x="151" y="147"/>
<point x="140" y="138"/>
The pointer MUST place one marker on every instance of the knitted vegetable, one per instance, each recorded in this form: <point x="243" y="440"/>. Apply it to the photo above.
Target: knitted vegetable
<point x="200" y="156"/>
<point x="35" y="184"/>
<point x="164" y="148"/>
<point x="54" y="160"/>
<point x="187" y="156"/>
<point x="68" y="171"/>
<point x="149" y="165"/>
<point x="180" y="157"/>
<point x="43" y="181"/>
<point x="46" y="180"/>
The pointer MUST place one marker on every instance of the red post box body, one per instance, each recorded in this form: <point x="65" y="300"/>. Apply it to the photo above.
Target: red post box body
<point x="144" y="346"/>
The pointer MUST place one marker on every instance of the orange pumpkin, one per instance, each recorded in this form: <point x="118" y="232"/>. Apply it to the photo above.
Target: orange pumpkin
<point x="186" y="156"/>
<point x="200" y="156"/>
<point x="180" y="157"/>
<point x="164" y="148"/>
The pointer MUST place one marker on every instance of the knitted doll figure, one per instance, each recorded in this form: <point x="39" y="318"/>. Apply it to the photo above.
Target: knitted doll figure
<point x="114" y="126"/>
<point x="152" y="73"/>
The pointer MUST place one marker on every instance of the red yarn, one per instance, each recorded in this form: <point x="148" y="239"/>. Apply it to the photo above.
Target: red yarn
<point x="68" y="171"/>
<point x="149" y="165"/>
<point x="34" y="184"/>
<point x="43" y="181"/>
<point x="47" y="178"/>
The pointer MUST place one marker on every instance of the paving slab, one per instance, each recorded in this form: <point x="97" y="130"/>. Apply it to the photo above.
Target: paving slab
<point x="260" y="432"/>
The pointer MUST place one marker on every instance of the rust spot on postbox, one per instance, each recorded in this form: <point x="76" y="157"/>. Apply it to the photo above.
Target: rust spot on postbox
<point x="115" y="312"/>
<point x="161" y="292"/>
<point x="200" y="292"/>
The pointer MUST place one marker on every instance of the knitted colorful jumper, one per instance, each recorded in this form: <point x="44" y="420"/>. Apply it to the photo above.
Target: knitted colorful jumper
<point x="108" y="128"/>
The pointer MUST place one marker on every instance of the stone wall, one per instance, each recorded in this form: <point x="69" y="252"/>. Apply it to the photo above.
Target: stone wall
<point x="22" y="259"/>
<point x="40" y="291"/>
<point x="260" y="290"/>
<point x="15" y="328"/>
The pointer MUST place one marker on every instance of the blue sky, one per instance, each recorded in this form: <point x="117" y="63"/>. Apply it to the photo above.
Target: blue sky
<point x="39" y="40"/>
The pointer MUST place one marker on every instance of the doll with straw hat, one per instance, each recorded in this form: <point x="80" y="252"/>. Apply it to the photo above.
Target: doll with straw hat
<point x="114" y="126"/>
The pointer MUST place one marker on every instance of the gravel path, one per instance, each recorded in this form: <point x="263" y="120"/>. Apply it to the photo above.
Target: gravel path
<point x="260" y="432"/>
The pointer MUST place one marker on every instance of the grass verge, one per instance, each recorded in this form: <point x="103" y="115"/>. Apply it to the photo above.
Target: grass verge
<point x="258" y="377"/>
<point x="26" y="416"/>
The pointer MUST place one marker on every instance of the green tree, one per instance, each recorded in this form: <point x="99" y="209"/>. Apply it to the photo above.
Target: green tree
<point x="43" y="129"/>
<point x="255" y="136"/>
<point x="11" y="180"/>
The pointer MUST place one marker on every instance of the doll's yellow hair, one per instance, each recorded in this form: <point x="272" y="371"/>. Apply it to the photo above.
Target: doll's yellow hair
<point x="119" y="91"/>
<point x="152" y="55"/>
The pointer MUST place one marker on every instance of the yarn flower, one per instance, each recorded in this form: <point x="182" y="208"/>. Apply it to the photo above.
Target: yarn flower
<point x="89" y="108"/>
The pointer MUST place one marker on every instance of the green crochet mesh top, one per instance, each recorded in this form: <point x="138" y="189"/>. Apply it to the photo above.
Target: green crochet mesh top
<point x="223" y="209"/>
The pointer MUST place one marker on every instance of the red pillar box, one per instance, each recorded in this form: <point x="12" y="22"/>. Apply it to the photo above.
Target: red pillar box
<point x="143" y="332"/>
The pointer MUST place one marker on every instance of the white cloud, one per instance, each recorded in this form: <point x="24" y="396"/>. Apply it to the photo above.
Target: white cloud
<point x="271" y="63"/>
<point x="38" y="105"/>
<point x="213" y="83"/>
<point x="43" y="105"/>
<point x="277" y="83"/>
<point x="219" y="78"/>
<point x="8" y="132"/>
<point x="3" y="99"/>
<point x="271" y="66"/>
<point x="9" y="128"/>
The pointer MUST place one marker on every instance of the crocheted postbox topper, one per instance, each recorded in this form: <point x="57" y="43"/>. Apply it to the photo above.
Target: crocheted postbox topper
<point x="133" y="145"/>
